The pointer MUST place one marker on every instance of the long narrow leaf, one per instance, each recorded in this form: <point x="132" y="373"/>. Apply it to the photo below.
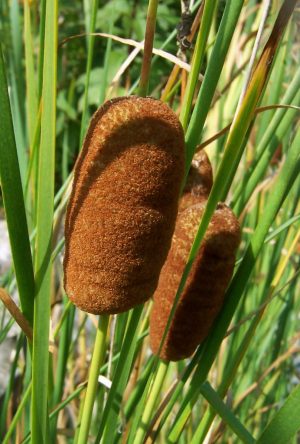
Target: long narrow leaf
<point x="14" y="207"/>
<point x="285" y="423"/>
<point x="45" y="205"/>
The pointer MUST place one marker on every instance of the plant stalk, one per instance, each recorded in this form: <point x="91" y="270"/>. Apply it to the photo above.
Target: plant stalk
<point x="154" y="392"/>
<point x="97" y="360"/>
<point x="148" y="46"/>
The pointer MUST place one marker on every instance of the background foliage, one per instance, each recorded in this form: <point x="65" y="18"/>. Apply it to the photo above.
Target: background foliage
<point x="242" y="384"/>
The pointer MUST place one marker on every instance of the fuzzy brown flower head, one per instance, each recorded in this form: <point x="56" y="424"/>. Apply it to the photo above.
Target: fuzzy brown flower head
<point x="123" y="206"/>
<point x="203" y="295"/>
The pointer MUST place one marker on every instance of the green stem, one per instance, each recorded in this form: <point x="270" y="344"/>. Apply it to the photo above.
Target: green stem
<point x="212" y="75"/>
<point x="61" y="368"/>
<point x="154" y="392"/>
<point x="88" y="70"/>
<point x="54" y="412"/>
<point x="97" y="360"/>
<point x="17" y="415"/>
<point x="157" y="58"/>
<point x="45" y="207"/>
<point x="177" y="392"/>
<point x="148" y="46"/>
<point x="104" y="77"/>
<point x="138" y="390"/>
<point x="197" y="61"/>
<point x="109" y="419"/>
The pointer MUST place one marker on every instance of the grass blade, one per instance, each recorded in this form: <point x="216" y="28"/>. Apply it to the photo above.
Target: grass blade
<point x="225" y="413"/>
<point x="97" y="360"/>
<point x="15" y="208"/>
<point x="45" y="205"/>
<point x="198" y="56"/>
<point x="32" y="103"/>
<point x="41" y="46"/>
<point x="212" y="75"/>
<point x="274" y="133"/>
<point x="154" y="392"/>
<point x="91" y="44"/>
<point x="285" y="423"/>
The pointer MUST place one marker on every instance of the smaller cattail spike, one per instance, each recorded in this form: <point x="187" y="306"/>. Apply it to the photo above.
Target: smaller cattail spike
<point x="202" y="297"/>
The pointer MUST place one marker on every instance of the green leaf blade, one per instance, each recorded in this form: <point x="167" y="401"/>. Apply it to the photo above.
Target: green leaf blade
<point x="285" y="423"/>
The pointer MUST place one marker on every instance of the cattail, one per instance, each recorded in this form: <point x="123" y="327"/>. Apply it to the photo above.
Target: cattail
<point x="203" y="295"/>
<point x="123" y="205"/>
<point x="199" y="181"/>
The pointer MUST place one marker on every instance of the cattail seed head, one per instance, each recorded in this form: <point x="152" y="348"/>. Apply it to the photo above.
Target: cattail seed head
<point x="203" y="295"/>
<point x="123" y="205"/>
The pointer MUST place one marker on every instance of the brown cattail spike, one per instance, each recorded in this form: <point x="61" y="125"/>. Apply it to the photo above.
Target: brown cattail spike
<point x="199" y="181"/>
<point x="202" y="297"/>
<point x="123" y="205"/>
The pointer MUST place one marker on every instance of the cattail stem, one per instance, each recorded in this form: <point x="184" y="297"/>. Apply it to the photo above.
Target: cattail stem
<point x="148" y="46"/>
<point x="97" y="360"/>
<point x="154" y="392"/>
<point x="198" y="56"/>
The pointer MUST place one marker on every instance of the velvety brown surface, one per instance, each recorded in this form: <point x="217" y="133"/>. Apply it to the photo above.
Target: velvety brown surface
<point x="203" y="295"/>
<point x="121" y="214"/>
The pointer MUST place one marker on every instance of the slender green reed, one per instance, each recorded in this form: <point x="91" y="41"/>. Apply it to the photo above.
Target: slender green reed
<point x="91" y="44"/>
<point x="45" y="206"/>
<point x="96" y="363"/>
<point x="15" y="208"/>
<point x="198" y="56"/>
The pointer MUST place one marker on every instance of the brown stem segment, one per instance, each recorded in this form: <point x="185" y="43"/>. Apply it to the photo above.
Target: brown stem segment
<point x="16" y="313"/>
<point x="148" y="46"/>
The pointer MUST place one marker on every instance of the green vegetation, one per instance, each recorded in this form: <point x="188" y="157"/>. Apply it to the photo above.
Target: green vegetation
<point x="75" y="378"/>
